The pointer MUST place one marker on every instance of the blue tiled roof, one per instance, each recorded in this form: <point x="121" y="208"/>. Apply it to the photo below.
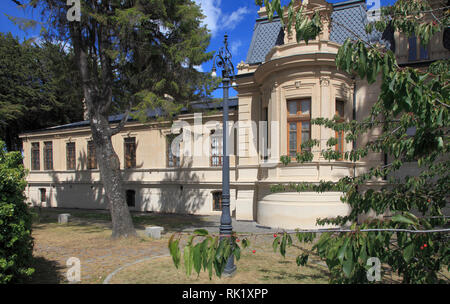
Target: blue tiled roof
<point x="351" y="14"/>
<point x="197" y="106"/>
<point x="266" y="35"/>
<point x="350" y="19"/>
<point x="353" y="19"/>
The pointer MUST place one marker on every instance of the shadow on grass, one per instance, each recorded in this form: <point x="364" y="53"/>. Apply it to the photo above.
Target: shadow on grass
<point x="320" y="274"/>
<point x="46" y="272"/>
<point x="170" y="222"/>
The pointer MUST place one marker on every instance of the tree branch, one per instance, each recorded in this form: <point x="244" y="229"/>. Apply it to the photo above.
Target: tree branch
<point x="122" y="123"/>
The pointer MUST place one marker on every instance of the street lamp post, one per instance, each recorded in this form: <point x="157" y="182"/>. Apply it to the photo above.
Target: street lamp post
<point x="223" y="61"/>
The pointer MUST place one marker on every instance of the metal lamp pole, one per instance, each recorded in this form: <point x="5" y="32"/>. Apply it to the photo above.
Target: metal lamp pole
<point x="223" y="61"/>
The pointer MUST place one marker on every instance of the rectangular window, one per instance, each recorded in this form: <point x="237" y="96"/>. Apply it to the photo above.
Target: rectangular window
<point x="340" y="106"/>
<point x="131" y="198"/>
<point x="217" y="201"/>
<point x="43" y="195"/>
<point x="412" y="48"/>
<point x="92" y="158"/>
<point x="216" y="148"/>
<point x="298" y="125"/>
<point x="130" y="152"/>
<point x="416" y="50"/>
<point x="48" y="155"/>
<point x="424" y="53"/>
<point x="35" y="156"/>
<point x="70" y="156"/>
<point x="173" y="158"/>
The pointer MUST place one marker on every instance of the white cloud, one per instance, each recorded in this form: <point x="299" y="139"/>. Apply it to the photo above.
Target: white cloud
<point x="235" y="18"/>
<point x="199" y="68"/>
<point x="216" y="19"/>
<point x="211" y="9"/>
<point x="235" y="45"/>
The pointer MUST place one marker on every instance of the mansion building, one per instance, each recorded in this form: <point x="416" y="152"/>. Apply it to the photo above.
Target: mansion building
<point x="283" y="83"/>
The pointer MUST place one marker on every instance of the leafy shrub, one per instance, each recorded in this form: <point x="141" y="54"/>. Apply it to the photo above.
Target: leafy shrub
<point x="16" y="243"/>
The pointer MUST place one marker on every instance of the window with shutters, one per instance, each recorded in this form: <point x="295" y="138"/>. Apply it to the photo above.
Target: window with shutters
<point x="340" y="110"/>
<point x="70" y="156"/>
<point x="217" y="201"/>
<point x="173" y="151"/>
<point x="216" y="148"/>
<point x="43" y="195"/>
<point x="91" y="157"/>
<point x="35" y="156"/>
<point x="298" y="125"/>
<point x="130" y="152"/>
<point x="48" y="155"/>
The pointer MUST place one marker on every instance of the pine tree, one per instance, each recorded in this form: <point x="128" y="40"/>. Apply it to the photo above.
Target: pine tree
<point x="130" y="55"/>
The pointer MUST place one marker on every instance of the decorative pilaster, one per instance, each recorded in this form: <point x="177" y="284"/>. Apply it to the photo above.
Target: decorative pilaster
<point x="325" y="101"/>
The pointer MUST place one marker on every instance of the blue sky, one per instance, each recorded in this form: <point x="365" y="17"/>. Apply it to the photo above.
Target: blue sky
<point x="235" y="18"/>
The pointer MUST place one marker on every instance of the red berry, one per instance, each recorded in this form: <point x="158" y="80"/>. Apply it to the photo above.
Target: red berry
<point x="425" y="245"/>
<point x="421" y="247"/>
<point x="254" y="251"/>
<point x="274" y="235"/>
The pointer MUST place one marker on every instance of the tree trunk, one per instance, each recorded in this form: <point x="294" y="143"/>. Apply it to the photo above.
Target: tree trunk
<point x="111" y="177"/>
<point x="107" y="159"/>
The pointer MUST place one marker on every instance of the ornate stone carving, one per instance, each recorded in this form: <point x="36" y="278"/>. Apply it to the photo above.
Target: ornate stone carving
<point x="242" y="67"/>
<point x="325" y="81"/>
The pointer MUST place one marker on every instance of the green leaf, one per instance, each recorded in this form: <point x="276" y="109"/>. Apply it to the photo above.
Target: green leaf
<point x="408" y="252"/>
<point x="237" y="253"/>
<point x="302" y="259"/>
<point x="283" y="245"/>
<point x="201" y="232"/>
<point x="362" y="64"/>
<point x="347" y="267"/>
<point x="174" y="251"/>
<point x="245" y="243"/>
<point x="342" y="250"/>
<point x="188" y="260"/>
<point x="402" y="219"/>
<point x="349" y="263"/>
<point x="197" y="258"/>
<point x="275" y="244"/>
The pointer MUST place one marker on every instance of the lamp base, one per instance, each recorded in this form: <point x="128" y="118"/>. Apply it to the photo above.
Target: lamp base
<point x="228" y="273"/>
